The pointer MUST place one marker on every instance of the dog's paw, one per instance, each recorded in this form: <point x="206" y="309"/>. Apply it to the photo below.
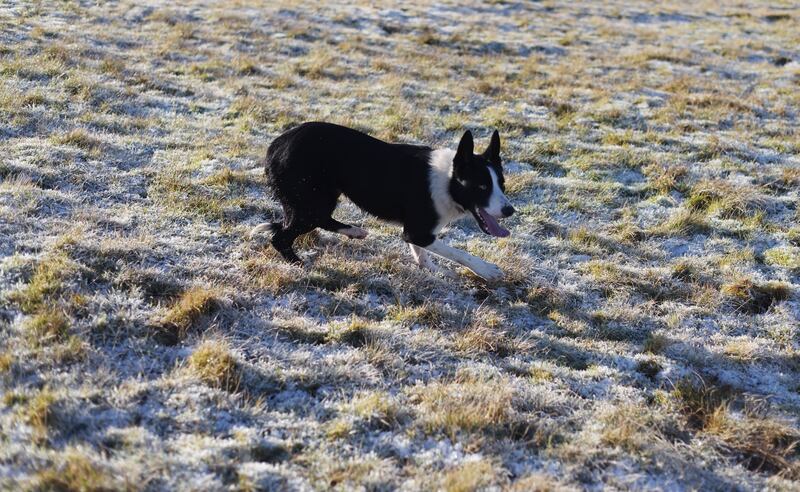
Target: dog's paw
<point x="353" y="232"/>
<point x="488" y="272"/>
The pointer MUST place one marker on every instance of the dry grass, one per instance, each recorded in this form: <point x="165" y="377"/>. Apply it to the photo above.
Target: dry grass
<point x="376" y="407"/>
<point x="6" y="362"/>
<point x="189" y="308"/>
<point x="46" y="283"/>
<point x="757" y="443"/>
<point x="628" y="427"/>
<point x="77" y="472"/>
<point x="748" y="296"/>
<point x="651" y="154"/>
<point x="471" y="476"/>
<point x="47" y="326"/>
<point x="40" y="412"/>
<point x="482" y="339"/>
<point x="664" y="179"/>
<point x="354" y="332"/>
<point x="467" y="405"/>
<point x="725" y="199"/>
<point x="684" y="222"/>
<point x="655" y="343"/>
<point x="784" y="256"/>
<point x="81" y="139"/>
<point x="214" y="363"/>
<point x="427" y="313"/>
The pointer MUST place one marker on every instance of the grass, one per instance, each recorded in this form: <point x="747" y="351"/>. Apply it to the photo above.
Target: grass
<point x="466" y="405"/>
<point x="6" y="362"/>
<point x="190" y="307"/>
<point x="47" y="326"/>
<point x="655" y="343"/>
<point x="302" y="332"/>
<point x="354" y="332"/>
<point x="272" y="276"/>
<point x="662" y="179"/>
<point x="627" y="428"/>
<point x="482" y="339"/>
<point x="176" y="191"/>
<point x="757" y="443"/>
<point x="470" y="477"/>
<point x="542" y="299"/>
<point x="81" y="139"/>
<point x="338" y="429"/>
<point x="76" y="472"/>
<point x="684" y="222"/>
<point x="751" y="297"/>
<point x="149" y="342"/>
<point x="46" y="283"/>
<point x="743" y="350"/>
<point x="427" y="314"/>
<point x="783" y="256"/>
<point x="214" y="363"/>
<point x="610" y="278"/>
<point x="723" y="198"/>
<point x="376" y="407"/>
<point x="40" y="412"/>
<point x="517" y="184"/>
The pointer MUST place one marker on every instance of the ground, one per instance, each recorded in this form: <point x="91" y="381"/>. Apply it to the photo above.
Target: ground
<point x="645" y="336"/>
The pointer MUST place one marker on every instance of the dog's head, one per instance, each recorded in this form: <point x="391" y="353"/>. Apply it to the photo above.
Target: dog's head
<point x="477" y="184"/>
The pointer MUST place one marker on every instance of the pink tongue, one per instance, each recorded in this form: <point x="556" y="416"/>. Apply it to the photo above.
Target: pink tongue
<point x="495" y="229"/>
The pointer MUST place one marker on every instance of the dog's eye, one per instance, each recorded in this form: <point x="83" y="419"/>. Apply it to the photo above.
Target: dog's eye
<point x="483" y="187"/>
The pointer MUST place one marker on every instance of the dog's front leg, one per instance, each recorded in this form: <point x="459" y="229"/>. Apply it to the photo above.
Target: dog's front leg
<point x="423" y="259"/>
<point x="479" y="267"/>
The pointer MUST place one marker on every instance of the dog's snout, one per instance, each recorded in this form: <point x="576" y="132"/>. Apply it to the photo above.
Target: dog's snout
<point x="507" y="211"/>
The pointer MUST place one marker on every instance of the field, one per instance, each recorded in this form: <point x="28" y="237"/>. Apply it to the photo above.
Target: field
<point x="647" y="333"/>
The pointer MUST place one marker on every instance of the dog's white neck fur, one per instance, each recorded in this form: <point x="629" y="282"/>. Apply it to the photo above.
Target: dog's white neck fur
<point x="441" y="171"/>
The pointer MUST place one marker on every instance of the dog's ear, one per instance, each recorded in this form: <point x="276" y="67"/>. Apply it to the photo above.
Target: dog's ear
<point x="466" y="147"/>
<point x="492" y="152"/>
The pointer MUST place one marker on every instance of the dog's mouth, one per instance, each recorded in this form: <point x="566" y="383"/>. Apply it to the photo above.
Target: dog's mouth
<point x="489" y="224"/>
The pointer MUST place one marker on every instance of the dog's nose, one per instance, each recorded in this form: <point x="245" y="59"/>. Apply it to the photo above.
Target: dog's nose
<point x="507" y="211"/>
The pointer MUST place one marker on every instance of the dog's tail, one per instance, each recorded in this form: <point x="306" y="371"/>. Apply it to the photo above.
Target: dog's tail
<point x="265" y="227"/>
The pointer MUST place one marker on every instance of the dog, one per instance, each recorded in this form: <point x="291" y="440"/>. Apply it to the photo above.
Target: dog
<point x="420" y="188"/>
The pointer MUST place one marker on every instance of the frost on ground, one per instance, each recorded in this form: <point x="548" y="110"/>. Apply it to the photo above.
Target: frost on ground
<point x="646" y="335"/>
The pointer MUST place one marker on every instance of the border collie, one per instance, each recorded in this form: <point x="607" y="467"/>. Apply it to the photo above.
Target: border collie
<point x="415" y="186"/>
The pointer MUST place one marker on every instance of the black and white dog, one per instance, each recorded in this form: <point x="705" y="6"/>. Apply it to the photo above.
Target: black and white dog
<point x="420" y="188"/>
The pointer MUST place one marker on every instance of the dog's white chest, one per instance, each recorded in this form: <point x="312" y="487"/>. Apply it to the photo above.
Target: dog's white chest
<point x="441" y="171"/>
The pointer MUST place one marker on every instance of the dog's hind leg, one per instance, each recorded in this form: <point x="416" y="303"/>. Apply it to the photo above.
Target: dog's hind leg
<point x="283" y="239"/>
<point x="353" y="232"/>
<point x="264" y="227"/>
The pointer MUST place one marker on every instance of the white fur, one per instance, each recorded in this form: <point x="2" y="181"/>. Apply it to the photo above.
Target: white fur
<point x="481" y="268"/>
<point x="260" y="228"/>
<point x="497" y="200"/>
<point x="423" y="259"/>
<point x="353" y="232"/>
<point x="441" y="171"/>
<point x="448" y="210"/>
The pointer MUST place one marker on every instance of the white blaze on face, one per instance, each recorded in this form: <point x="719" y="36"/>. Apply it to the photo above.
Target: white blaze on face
<point x="497" y="200"/>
